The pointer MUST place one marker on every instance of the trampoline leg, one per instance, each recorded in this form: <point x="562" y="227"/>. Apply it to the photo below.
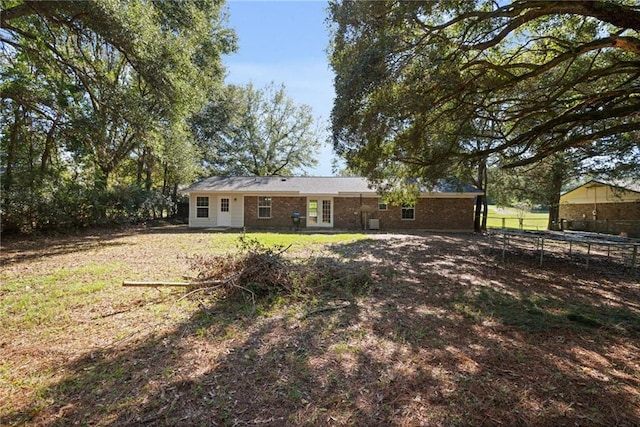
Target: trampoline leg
<point x="504" y="245"/>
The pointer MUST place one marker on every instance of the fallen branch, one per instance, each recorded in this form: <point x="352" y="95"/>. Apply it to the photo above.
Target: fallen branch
<point x="114" y="313"/>
<point x="176" y="284"/>
<point x="156" y="284"/>
<point x="345" y="304"/>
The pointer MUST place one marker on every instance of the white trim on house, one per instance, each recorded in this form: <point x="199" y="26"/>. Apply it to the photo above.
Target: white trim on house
<point x="210" y="219"/>
<point x="324" y="189"/>
<point x="404" y="208"/>
<point x="596" y="192"/>
<point x="216" y="218"/>
<point x="224" y="212"/>
<point x="321" y="218"/>
<point x="264" y="206"/>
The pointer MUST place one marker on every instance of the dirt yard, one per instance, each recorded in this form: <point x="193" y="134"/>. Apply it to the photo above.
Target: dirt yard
<point x="445" y="334"/>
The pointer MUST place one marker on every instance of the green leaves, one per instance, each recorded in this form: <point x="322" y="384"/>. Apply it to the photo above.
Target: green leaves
<point x="100" y="91"/>
<point x="252" y="131"/>
<point x="527" y="79"/>
<point x="174" y="47"/>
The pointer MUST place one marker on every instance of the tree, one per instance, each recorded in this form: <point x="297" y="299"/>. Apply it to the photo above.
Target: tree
<point x="539" y="183"/>
<point x="175" y="47"/>
<point x="89" y="88"/>
<point x="419" y="83"/>
<point x="252" y="131"/>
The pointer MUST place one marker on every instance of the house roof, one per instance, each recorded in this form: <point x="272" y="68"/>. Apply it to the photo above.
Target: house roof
<point x="627" y="186"/>
<point x="309" y="185"/>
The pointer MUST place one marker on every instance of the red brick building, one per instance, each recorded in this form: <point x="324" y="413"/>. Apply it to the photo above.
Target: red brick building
<point x="602" y="207"/>
<point x="348" y="203"/>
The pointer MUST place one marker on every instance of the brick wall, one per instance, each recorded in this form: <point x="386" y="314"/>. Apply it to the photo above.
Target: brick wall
<point x="611" y="218"/>
<point x="346" y="212"/>
<point x="281" y="210"/>
<point x="629" y="211"/>
<point x="430" y="213"/>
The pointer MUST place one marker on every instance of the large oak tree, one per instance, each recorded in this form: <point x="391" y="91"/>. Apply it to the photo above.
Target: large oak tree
<point x="175" y="46"/>
<point x="95" y="95"/>
<point x="252" y="131"/>
<point x="424" y="87"/>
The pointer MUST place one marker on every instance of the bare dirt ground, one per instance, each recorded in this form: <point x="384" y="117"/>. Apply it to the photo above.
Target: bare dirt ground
<point x="445" y="334"/>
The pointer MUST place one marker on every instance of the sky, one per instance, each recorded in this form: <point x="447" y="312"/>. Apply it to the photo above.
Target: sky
<point x="285" y="42"/>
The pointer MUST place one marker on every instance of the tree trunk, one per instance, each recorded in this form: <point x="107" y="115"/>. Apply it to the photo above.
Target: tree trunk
<point x="477" y="223"/>
<point x="147" y="159"/>
<point x="558" y="173"/>
<point x="148" y="181"/>
<point x="480" y="213"/>
<point x="165" y="180"/>
<point x="140" y="168"/>
<point x="485" y="210"/>
<point x="174" y="198"/>
<point x="7" y="179"/>
<point x="45" y="159"/>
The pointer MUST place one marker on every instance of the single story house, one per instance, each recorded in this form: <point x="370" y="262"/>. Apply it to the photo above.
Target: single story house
<point x="597" y="200"/>
<point x="603" y="207"/>
<point x="349" y="203"/>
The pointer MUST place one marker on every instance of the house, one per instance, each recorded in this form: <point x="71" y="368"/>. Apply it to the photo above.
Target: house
<point x="348" y="203"/>
<point x="602" y="207"/>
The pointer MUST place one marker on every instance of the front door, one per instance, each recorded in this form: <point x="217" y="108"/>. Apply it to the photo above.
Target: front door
<point x="320" y="212"/>
<point x="224" y="212"/>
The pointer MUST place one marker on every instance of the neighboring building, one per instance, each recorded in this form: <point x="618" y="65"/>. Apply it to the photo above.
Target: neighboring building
<point x="323" y="202"/>
<point x="603" y="207"/>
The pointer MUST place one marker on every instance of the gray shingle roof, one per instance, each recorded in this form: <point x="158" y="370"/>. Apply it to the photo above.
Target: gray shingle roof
<point x="306" y="185"/>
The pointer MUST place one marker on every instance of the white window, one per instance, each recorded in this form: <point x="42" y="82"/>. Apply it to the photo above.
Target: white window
<point x="408" y="212"/>
<point x="224" y="205"/>
<point x="381" y="205"/>
<point x="202" y="207"/>
<point x="264" y="207"/>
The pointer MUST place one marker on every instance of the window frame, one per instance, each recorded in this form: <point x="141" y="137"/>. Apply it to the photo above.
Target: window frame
<point x="313" y="213"/>
<point x="225" y="205"/>
<point x="202" y="209"/>
<point x="263" y="206"/>
<point x="326" y="212"/>
<point x="405" y="209"/>
<point x="382" y="206"/>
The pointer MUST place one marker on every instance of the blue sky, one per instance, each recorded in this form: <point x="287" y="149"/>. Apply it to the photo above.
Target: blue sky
<point x="285" y="42"/>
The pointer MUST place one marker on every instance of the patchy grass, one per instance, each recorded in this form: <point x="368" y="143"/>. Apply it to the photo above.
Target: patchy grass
<point x="444" y="334"/>
<point x="36" y="301"/>
<point x="531" y="220"/>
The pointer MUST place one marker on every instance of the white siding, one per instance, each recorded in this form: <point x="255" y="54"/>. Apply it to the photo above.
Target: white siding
<point x="237" y="210"/>
<point x="236" y="206"/>
<point x="193" y="208"/>
<point x="598" y="194"/>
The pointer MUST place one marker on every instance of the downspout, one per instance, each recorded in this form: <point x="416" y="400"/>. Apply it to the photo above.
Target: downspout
<point x="595" y="203"/>
<point x="361" y="213"/>
<point x="595" y="209"/>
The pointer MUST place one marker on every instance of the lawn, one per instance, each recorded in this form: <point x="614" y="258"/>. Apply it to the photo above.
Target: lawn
<point x="511" y="217"/>
<point x="442" y="332"/>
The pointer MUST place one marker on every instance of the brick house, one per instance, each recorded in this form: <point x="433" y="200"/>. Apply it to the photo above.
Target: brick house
<point x="347" y="203"/>
<point x="602" y="207"/>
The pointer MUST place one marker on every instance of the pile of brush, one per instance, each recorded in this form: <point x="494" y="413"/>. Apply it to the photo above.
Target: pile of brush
<point x="256" y="269"/>
<point x="260" y="271"/>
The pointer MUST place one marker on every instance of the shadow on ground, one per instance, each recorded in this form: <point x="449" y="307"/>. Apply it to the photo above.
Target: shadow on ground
<point x="445" y="335"/>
